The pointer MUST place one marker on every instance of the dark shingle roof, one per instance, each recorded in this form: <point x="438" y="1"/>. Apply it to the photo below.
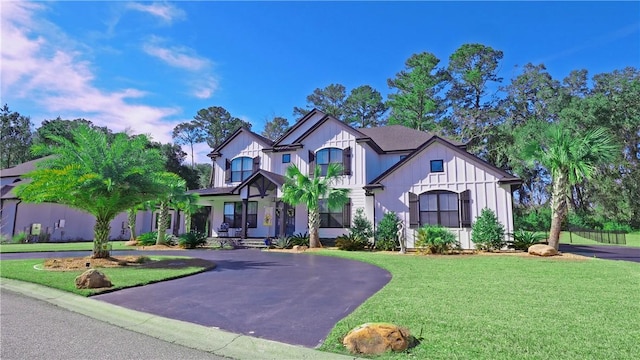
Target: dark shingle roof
<point x="23" y="168"/>
<point x="399" y="138"/>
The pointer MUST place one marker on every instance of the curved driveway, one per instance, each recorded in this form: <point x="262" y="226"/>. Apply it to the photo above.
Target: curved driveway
<point x="291" y="298"/>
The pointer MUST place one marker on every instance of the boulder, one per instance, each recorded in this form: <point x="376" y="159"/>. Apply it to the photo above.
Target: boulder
<point x="377" y="338"/>
<point x="542" y="250"/>
<point x="299" y="248"/>
<point x="92" y="279"/>
<point x="131" y="243"/>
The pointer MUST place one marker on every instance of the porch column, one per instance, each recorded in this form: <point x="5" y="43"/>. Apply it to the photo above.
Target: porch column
<point x="245" y="206"/>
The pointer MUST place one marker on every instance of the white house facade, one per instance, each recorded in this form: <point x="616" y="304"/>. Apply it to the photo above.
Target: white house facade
<point x="423" y="178"/>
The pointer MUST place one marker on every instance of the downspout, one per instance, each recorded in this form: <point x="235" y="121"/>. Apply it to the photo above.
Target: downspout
<point x="15" y="217"/>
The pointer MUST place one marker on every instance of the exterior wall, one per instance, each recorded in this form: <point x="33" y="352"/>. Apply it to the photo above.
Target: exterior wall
<point x="261" y="231"/>
<point x="243" y="145"/>
<point x="302" y="129"/>
<point x="461" y="173"/>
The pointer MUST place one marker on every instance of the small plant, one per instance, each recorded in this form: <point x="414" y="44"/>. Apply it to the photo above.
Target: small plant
<point x="20" y="237"/>
<point x="44" y="237"/>
<point x="147" y="239"/>
<point x="301" y="239"/>
<point x="387" y="232"/>
<point x="192" y="240"/>
<point x="283" y="242"/>
<point x="351" y="242"/>
<point x="436" y="239"/>
<point x="362" y="227"/>
<point x="522" y="239"/>
<point x="487" y="233"/>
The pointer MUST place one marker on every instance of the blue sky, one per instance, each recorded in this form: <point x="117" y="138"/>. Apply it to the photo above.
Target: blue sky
<point x="147" y="66"/>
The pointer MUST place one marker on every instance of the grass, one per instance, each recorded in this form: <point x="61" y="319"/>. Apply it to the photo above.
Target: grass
<point x="70" y="246"/>
<point x="503" y="307"/>
<point x="123" y="277"/>
<point x="632" y="239"/>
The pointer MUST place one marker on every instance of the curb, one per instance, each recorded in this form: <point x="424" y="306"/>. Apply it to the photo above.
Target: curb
<point x="209" y="339"/>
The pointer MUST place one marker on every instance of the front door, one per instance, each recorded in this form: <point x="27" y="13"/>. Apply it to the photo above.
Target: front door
<point x="285" y="219"/>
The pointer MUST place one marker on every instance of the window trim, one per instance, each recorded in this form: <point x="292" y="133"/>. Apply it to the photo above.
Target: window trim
<point x="441" y="167"/>
<point x="243" y="173"/>
<point x="236" y="223"/>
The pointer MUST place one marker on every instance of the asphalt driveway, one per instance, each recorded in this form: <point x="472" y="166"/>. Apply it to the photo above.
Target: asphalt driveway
<point x="291" y="298"/>
<point x="626" y="253"/>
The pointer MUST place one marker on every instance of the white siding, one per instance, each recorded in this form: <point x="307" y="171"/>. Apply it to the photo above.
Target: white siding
<point x="460" y="173"/>
<point x="302" y="129"/>
<point x="243" y="145"/>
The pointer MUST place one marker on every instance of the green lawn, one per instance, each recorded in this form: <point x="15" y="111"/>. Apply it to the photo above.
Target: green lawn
<point x="632" y="239"/>
<point x="71" y="246"/>
<point x="124" y="277"/>
<point x="504" y="307"/>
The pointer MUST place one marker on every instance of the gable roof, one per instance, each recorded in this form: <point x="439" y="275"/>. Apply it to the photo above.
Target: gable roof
<point x="23" y="168"/>
<point x="216" y="152"/>
<point x="295" y="126"/>
<point x="506" y="177"/>
<point x="273" y="177"/>
<point x="399" y="138"/>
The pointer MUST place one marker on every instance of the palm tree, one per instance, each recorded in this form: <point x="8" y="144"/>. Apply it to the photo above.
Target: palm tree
<point x="188" y="203"/>
<point x="570" y="159"/>
<point x="99" y="175"/>
<point x="302" y="189"/>
<point x="177" y="189"/>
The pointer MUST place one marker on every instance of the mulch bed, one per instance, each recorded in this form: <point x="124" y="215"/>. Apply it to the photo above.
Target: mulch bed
<point x="74" y="264"/>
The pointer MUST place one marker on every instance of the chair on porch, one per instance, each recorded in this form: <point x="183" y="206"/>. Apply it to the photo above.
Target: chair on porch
<point x="223" y="230"/>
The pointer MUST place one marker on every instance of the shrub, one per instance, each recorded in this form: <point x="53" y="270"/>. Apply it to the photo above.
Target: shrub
<point x="436" y="239"/>
<point x="387" y="232"/>
<point x="362" y="227"/>
<point x="522" y="239"/>
<point x="192" y="240"/>
<point x="20" y="237"/>
<point x="283" y="242"/>
<point x="487" y="233"/>
<point x="616" y="226"/>
<point x="351" y="242"/>
<point x="532" y="219"/>
<point x="301" y="239"/>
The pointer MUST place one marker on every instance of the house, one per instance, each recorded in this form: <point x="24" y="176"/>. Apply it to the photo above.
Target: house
<point x="60" y="222"/>
<point x="423" y="178"/>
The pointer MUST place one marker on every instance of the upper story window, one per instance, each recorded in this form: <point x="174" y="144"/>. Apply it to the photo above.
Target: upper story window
<point x="437" y="166"/>
<point x="241" y="168"/>
<point x="286" y="158"/>
<point x="328" y="156"/>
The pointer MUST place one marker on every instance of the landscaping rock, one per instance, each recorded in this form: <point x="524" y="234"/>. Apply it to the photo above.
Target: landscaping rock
<point x="377" y="338"/>
<point x="92" y="279"/>
<point x="299" y="248"/>
<point x="542" y="250"/>
<point x="131" y="243"/>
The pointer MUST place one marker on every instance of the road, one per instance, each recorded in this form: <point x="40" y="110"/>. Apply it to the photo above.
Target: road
<point x="32" y="329"/>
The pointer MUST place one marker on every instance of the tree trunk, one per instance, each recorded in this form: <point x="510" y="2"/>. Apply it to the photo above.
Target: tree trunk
<point x="314" y="225"/>
<point x="163" y="222"/>
<point x="101" y="238"/>
<point x="187" y="221"/>
<point x="558" y="208"/>
<point x="131" y="221"/>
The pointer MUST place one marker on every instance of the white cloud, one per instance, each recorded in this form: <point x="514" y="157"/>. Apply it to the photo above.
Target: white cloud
<point x="164" y="11"/>
<point x="35" y="66"/>
<point x="202" y="83"/>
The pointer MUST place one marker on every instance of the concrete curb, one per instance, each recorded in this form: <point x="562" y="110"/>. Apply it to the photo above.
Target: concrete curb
<point x="215" y="341"/>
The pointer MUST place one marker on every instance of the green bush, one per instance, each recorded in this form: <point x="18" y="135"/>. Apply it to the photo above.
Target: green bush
<point x="20" y="238"/>
<point x="283" y="242"/>
<point x="616" y="226"/>
<point x="522" y="239"/>
<point x="387" y="232"/>
<point x="351" y="242"/>
<point x="436" y="239"/>
<point x="487" y="233"/>
<point x="532" y="219"/>
<point x="147" y="239"/>
<point x="301" y="239"/>
<point x="362" y="227"/>
<point x="192" y="240"/>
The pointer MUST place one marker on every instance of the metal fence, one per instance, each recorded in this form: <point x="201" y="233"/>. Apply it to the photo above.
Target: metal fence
<point x="601" y="236"/>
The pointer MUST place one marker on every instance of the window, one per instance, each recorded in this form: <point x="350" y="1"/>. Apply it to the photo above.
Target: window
<point x="402" y="157"/>
<point x="233" y="214"/>
<point x="328" y="156"/>
<point x="286" y="158"/>
<point x="439" y="208"/>
<point x="437" y="166"/>
<point x="334" y="218"/>
<point x="241" y="169"/>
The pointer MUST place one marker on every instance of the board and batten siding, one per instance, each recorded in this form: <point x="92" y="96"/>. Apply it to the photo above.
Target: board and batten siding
<point x="243" y="145"/>
<point x="460" y="173"/>
<point x="295" y="134"/>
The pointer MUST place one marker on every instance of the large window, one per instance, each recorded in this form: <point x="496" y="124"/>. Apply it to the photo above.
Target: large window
<point x="233" y="214"/>
<point x="241" y="168"/>
<point x="439" y="208"/>
<point x="328" y="156"/>
<point x="334" y="218"/>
